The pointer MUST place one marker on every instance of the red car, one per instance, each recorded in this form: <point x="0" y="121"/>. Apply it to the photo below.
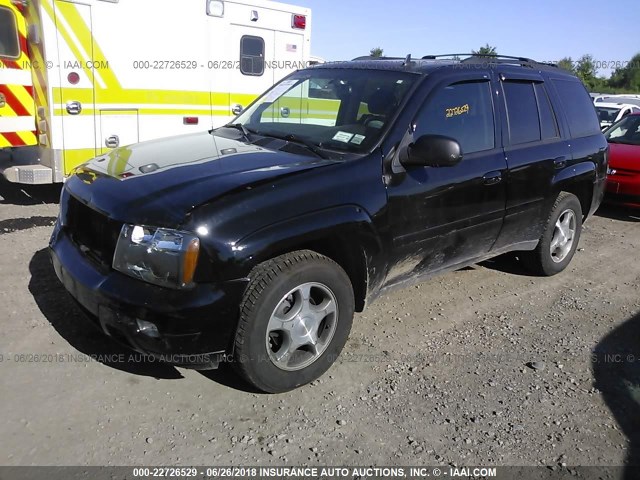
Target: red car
<point x="623" y="181"/>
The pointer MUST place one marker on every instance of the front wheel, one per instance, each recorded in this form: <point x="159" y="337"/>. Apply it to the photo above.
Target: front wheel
<point x="295" y="319"/>
<point x="560" y="238"/>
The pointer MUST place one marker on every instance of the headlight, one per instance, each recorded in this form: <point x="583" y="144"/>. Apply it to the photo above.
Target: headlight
<point x="160" y="256"/>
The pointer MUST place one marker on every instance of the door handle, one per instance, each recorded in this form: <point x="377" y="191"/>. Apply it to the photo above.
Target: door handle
<point x="74" y="107"/>
<point x="560" y="162"/>
<point x="492" y="178"/>
<point x="112" y="142"/>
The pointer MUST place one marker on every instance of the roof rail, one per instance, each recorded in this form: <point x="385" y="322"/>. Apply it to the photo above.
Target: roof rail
<point x="508" y="59"/>
<point x="369" y="57"/>
<point x="473" y="58"/>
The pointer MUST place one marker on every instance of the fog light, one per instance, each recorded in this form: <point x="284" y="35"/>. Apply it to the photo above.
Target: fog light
<point x="147" y="328"/>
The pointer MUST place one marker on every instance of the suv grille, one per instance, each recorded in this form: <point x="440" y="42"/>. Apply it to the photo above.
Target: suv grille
<point x="94" y="233"/>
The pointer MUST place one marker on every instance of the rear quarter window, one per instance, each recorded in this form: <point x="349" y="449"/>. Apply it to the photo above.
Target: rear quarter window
<point x="9" y="44"/>
<point x="579" y="109"/>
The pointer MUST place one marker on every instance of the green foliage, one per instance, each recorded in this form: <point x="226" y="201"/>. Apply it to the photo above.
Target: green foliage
<point x="587" y="71"/>
<point x="567" y="64"/>
<point x="625" y="79"/>
<point x="376" y="52"/>
<point x="486" y="50"/>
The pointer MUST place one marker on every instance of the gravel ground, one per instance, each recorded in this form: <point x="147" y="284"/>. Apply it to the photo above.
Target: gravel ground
<point x="483" y="366"/>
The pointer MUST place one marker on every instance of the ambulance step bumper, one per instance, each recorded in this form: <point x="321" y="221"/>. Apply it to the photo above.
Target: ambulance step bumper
<point x="29" y="174"/>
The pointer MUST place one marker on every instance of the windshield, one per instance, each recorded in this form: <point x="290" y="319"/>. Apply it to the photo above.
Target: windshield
<point x="9" y="46"/>
<point x="626" y="131"/>
<point x="335" y="109"/>
<point x="607" y="114"/>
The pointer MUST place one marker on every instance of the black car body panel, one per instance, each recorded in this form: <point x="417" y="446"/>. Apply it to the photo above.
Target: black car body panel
<point x="151" y="183"/>
<point x="251" y="199"/>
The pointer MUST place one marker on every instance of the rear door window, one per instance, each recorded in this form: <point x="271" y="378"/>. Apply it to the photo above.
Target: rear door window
<point x="252" y="55"/>
<point x="9" y="44"/>
<point x="548" y="122"/>
<point x="578" y="107"/>
<point x="522" y="112"/>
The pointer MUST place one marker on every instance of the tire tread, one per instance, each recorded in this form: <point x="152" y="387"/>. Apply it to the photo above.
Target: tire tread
<point x="261" y="276"/>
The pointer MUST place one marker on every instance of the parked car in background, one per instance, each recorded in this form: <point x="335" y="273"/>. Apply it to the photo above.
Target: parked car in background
<point x="617" y="98"/>
<point x="610" y="113"/>
<point x="623" y="181"/>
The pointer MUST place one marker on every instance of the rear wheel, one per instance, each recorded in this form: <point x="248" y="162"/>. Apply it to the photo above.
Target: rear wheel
<point x="560" y="238"/>
<point x="295" y="319"/>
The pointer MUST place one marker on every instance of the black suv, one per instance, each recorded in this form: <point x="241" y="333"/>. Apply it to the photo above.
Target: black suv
<point x="257" y="241"/>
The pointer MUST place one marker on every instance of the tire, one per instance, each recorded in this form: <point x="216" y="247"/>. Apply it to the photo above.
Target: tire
<point x="279" y="313"/>
<point x="550" y="257"/>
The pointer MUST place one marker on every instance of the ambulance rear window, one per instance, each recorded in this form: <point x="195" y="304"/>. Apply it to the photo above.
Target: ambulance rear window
<point x="9" y="46"/>
<point x="252" y="55"/>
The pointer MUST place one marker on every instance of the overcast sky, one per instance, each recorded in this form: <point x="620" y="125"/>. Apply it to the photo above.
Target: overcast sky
<point x="539" y="29"/>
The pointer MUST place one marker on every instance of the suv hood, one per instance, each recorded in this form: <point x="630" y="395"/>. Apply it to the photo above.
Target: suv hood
<point x="159" y="182"/>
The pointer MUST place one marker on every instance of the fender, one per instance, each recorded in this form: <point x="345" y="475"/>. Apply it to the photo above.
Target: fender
<point x="584" y="171"/>
<point x="582" y="180"/>
<point x="337" y="225"/>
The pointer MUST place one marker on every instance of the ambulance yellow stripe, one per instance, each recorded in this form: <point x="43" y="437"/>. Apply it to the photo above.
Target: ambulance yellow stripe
<point x="67" y="37"/>
<point x="39" y="71"/>
<point x="7" y="111"/>
<point x="24" y="97"/>
<point x="89" y="44"/>
<point x="162" y="97"/>
<point x="148" y="111"/>
<point x="28" y="138"/>
<point x="22" y="27"/>
<point x="4" y="142"/>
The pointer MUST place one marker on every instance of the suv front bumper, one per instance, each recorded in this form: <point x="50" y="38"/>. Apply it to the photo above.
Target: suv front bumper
<point x="195" y="328"/>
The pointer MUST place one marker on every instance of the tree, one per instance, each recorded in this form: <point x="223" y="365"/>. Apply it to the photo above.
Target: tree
<point x="627" y="77"/>
<point x="567" y="64"/>
<point x="486" y="50"/>
<point x="376" y="52"/>
<point x="587" y="71"/>
<point x="586" y="68"/>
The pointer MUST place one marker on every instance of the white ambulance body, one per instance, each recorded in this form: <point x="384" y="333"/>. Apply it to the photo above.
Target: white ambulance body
<point x="106" y="73"/>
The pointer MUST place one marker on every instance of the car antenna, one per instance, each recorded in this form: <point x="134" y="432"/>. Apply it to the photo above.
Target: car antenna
<point x="407" y="60"/>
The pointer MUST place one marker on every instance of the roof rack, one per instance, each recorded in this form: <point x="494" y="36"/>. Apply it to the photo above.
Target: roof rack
<point x="484" y="58"/>
<point x="369" y="57"/>
<point x="472" y="58"/>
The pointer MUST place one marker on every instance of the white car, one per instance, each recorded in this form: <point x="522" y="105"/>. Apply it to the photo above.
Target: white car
<point x="610" y="113"/>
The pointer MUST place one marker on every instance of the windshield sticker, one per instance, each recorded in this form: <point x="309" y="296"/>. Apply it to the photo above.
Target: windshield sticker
<point x="343" y="137"/>
<point x="455" y="111"/>
<point x="277" y="91"/>
<point x="358" y="139"/>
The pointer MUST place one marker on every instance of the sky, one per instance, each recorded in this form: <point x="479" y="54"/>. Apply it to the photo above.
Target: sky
<point x="545" y="30"/>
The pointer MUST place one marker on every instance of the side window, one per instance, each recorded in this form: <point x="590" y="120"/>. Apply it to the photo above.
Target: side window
<point x="522" y="112"/>
<point x="9" y="45"/>
<point x="463" y="111"/>
<point x="252" y="55"/>
<point x="578" y="107"/>
<point x="548" y="121"/>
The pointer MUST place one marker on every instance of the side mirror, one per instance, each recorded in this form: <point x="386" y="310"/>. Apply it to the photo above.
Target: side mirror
<point x="433" y="151"/>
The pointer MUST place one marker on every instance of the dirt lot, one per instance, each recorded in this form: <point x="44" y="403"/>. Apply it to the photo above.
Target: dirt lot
<point x="484" y="366"/>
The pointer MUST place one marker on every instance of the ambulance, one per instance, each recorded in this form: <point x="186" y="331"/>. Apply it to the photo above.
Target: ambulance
<point x="81" y="77"/>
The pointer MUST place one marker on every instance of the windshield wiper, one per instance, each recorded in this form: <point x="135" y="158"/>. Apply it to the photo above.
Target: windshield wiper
<point x="239" y="126"/>
<point x="312" y="147"/>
